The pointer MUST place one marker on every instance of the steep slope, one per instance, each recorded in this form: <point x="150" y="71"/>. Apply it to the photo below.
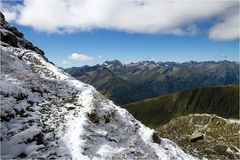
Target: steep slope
<point x="45" y="113"/>
<point x="111" y="85"/>
<point x="220" y="100"/>
<point x="220" y="136"/>
<point x="147" y="79"/>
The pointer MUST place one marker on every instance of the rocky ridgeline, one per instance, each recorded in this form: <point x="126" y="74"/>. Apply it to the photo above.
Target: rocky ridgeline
<point x="12" y="36"/>
<point x="204" y="135"/>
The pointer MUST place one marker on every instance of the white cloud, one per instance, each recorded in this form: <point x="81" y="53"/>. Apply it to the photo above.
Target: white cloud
<point x="137" y="16"/>
<point x="76" y="57"/>
<point x="226" y="30"/>
<point x="79" y="57"/>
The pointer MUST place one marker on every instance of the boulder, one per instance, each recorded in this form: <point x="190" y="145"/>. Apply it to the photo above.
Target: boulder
<point x="9" y="38"/>
<point x="196" y="136"/>
<point x="156" y="138"/>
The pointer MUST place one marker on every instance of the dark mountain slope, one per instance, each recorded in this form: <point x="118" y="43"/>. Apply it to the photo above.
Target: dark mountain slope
<point x="220" y="100"/>
<point x="149" y="79"/>
<point x="111" y="85"/>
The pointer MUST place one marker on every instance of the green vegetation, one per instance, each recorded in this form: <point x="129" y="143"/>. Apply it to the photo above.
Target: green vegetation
<point x="220" y="100"/>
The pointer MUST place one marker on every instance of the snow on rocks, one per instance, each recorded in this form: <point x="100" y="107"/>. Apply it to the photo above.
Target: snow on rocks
<point x="45" y="113"/>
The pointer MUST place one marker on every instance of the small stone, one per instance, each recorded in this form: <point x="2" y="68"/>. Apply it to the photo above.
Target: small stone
<point x="70" y="108"/>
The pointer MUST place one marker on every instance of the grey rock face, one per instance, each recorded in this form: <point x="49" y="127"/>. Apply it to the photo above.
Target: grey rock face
<point x="13" y="37"/>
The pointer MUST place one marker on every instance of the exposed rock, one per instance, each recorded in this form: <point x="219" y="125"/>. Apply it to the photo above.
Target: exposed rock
<point x="22" y="156"/>
<point x="9" y="38"/>
<point x="107" y="118"/>
<point x="93" y="117"/>
<point x="38" y="138"/>
<point x="156" y="138"/>
<point x="70" y="108"/>
<point x="13" y="37"/>
<point x="196" y="136"/>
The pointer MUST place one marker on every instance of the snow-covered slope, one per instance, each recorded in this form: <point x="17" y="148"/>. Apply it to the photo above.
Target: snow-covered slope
<point x="45" y="113"/>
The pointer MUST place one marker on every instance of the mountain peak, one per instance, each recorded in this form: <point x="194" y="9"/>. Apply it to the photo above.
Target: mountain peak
<point x="114" y="62"/>
<point x="11" y="36"/>
<point x="2" y="16"/>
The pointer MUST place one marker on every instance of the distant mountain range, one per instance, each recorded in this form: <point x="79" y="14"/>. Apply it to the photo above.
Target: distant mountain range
<point x="220" y="100"/>
<point x="126" y="83"/>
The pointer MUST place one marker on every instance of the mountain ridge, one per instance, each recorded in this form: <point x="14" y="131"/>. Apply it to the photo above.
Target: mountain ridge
<point x="147" y="79"/>
<point x="220" y="100"/>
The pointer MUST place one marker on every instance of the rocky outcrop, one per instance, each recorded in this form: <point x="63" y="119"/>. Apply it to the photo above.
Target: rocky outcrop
<point x="204" y="135"/>
<point x="13" y="37"/>
<point x="156" y="138"/>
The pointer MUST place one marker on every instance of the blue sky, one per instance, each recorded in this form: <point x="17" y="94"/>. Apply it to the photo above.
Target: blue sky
<point x="186" y="42"/>
<point x="128" y="47"/>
